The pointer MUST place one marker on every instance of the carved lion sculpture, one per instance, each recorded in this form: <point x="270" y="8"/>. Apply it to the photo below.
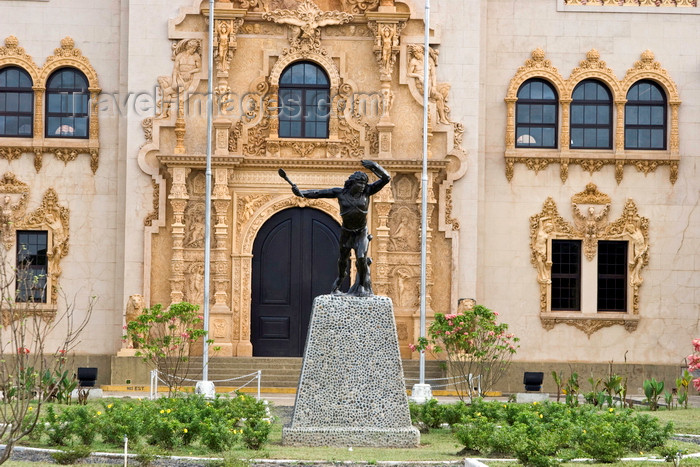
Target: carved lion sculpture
<point x="134" y="307"/>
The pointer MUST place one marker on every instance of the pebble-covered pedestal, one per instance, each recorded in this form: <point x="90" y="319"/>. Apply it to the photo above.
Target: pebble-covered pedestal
<point x="351" y="391"/>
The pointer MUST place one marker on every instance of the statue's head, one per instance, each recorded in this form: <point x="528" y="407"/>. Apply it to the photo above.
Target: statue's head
<point x="358" y="180"/>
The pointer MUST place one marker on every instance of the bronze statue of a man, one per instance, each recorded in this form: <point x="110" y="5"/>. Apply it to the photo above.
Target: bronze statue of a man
<point x="353" y="199"/>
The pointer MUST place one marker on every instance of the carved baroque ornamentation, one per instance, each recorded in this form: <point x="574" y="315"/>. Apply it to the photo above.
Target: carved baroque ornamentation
<point x="54" y="218"/>
<point x="153" y="215"/>
<point x="590" y="228"/>
<point x="306" y="21"/>
<point x="14" y="201"/>
<point x="67" y="55"/>
<point x="593" y="68"/>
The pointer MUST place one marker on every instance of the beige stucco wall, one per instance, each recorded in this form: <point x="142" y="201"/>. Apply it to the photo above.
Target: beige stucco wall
<point x="90" y="268"/>
<point x="669" y="307"/>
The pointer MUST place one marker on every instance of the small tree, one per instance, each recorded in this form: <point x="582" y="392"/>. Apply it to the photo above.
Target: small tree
<point x="31" y="372"/>
<point x="475" y="345"/>
<point x="694" y="362"/>
<point x="163" y="338"/>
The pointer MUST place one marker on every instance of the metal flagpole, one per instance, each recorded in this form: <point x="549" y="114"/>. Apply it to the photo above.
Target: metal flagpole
<point x="421" y="392"/>
<point x="205" y="386"/>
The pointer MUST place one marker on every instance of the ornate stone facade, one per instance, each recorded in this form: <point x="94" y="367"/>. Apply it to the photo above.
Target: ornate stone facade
<point x="248" y="150"/>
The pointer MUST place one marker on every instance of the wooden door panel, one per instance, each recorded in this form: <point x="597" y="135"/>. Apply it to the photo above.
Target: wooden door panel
<point x="294" y="260"/>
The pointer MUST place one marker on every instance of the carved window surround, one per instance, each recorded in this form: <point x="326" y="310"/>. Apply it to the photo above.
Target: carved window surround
<point x="589" y="229"/>
<point x="49" y="216"/>
<point x="645" y="161"/>
<point x="64" y="149"/>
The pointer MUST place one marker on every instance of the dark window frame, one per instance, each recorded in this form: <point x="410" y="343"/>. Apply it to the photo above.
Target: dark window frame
<point x="69" y="116"/>
<point x="563" y="297"/>
<point x="32" y="266"/>
<point x="588" y="103"/>
<point x="644" y="104"/>
<point x="522" y="102"/>
<point x="308" y="91"/>
<point x="612" y="273"/>
<point x="17" y="113"/>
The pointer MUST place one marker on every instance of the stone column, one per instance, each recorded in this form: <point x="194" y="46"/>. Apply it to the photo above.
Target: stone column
<point x="220" y="321"/>
<point x="178" y="200"/>
<point x="382" y="203"/>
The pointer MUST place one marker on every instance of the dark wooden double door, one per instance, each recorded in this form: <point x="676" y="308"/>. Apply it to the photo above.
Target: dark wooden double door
<point x="295" y="257"/>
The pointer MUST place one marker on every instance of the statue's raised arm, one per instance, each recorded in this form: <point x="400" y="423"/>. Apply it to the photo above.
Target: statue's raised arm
<point x="380" y="172"/>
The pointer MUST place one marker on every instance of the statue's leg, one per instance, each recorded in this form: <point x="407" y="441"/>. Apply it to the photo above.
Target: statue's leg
<point x="364" y="280"/>
<point x="343" y="261"/>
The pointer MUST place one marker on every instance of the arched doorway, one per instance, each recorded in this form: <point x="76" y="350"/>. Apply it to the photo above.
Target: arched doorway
<point x="294" y="259"/>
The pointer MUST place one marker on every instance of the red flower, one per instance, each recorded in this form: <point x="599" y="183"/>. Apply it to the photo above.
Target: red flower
<point x="22" y="350"/>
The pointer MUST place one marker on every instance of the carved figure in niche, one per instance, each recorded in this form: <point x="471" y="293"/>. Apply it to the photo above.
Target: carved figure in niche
<point x="389" y="40"/>
<point x="546" y="227"/>
<point x="438" y="92"/>
<point x="401" y="232"/>
<point x="194" y="220"/>
<point x="223" y="36"/>
<point x="353" y="200"/>
<point x="187" y="55"/>
<point x="195" y="284"/>
<point x="134" y="307"/>
<point x="403" y="276"/>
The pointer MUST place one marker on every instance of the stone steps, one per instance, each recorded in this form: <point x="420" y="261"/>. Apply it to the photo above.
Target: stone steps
<point x="284" y="372"/>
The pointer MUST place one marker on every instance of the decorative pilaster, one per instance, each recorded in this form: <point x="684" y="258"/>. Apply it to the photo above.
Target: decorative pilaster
<point x="432" y="201"/>
<point x="510" y="123"/>
<point x="178" y="200"/>
<point x="620" y="127"/>
<point x="180" y="125"/>
<point x="674" y="140"/>
<point x="382" y="202"/>
<point x="39" y="92"/>
<point x="221" y="322"/>
<point x="565" y="129"/>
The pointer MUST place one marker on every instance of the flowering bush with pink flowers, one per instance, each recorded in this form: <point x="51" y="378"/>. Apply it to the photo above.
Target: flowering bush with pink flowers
<point x="694" y="363"/>
<point x="163" y="338"/>
<point x="474" y="343"/>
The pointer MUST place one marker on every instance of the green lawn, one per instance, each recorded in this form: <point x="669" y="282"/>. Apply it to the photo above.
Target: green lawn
<point x="686" y="421"/>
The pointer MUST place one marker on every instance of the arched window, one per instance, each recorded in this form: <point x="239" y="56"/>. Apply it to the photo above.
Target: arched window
<point x="16" y="102"/>
<point x="645" y="116"/>
<point x="591" y="116"/>
<point x="304" y="101"/>
<point x="536" y="115"/>
<point x="67" y="104"/>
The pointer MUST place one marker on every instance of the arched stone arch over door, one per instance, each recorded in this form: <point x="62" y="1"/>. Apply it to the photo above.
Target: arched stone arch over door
<point x="294" y="260"/>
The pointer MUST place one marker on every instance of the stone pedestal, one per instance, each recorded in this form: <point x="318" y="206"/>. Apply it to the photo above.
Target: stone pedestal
<point x="351" y="391"/>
